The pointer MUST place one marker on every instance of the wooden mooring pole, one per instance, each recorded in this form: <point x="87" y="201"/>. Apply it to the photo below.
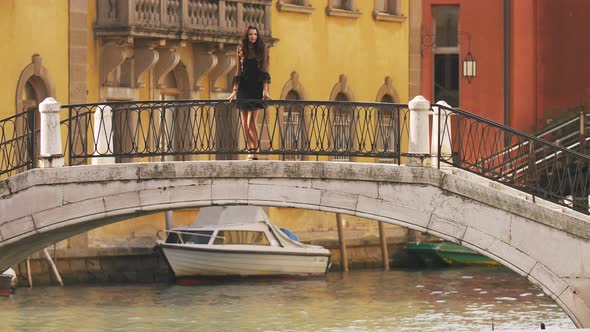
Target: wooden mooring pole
<point x="343" y="254"/>
<point x="384" y="251"/>
<point x="53" y="267"/>
<point x="29" y="278"/>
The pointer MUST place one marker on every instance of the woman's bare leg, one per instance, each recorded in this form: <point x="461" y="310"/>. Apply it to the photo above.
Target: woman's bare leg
<point x="244" y="116"/>
<point x="252" y="130"/>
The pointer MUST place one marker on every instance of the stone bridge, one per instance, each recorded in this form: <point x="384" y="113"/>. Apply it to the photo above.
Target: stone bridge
<point x="544" y="242"/>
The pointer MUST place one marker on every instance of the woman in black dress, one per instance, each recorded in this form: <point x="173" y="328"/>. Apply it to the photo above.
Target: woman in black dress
<point x="251" y="85"/>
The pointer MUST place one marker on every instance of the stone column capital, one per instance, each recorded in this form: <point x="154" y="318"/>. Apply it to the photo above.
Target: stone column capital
<point x="49" y="105"/>
<point x="419" y="103"/>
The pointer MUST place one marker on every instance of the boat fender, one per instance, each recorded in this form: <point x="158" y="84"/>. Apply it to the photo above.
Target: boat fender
<point x="290" y="234"/>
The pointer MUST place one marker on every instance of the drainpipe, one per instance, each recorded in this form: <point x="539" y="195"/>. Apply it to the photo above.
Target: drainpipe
<point x="506" y="81"/>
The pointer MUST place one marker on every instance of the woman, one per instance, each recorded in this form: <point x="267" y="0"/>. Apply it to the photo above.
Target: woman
<point x="251" y="83"/>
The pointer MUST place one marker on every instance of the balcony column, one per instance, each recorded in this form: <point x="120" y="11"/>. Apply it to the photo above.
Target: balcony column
<point x="267" y="17"/>
<point x="221" y="19"/>
<point x="419" y="149"/>
<point x="50" y="154"/>
<point x="240" y="17"/>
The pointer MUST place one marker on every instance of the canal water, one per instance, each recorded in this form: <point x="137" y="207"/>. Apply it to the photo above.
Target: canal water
<point x="449" y="299"/>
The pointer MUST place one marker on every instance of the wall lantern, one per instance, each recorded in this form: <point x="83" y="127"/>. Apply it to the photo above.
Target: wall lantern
<point x="469" y="67"/>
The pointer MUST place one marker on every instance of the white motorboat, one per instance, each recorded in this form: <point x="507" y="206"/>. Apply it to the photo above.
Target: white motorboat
<point x="7" y="282"/>
<point x="238" y="241"/>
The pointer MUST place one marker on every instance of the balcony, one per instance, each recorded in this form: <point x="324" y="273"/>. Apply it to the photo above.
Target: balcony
<point x="184" y="20"/>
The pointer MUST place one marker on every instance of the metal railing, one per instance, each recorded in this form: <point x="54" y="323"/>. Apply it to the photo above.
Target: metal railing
<point x="212" y="129"/>
<point x="182" y="130"/>
<point x="531" y="164"/>
<point x="19" y="136"/>
<point x="569" y="133"/>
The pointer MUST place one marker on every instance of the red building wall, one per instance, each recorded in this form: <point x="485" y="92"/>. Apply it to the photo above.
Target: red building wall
<point x="549" y="57"/>
<point x="563" y="34"/>
<point x="483" y="21"/>
<point x="523" y="65"/>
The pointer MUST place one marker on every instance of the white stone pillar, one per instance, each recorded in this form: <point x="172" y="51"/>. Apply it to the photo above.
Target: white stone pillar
<point x="419" y="149"/>
<point x="443" y="127"/>
<point x="50" y="152"/>
<point x="103" y="135"/>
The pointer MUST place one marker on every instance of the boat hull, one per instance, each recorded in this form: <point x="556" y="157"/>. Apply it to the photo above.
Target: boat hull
<point x="199" y="262"/>
<point x="6" y="285"/>
<point x="447" y="253"/>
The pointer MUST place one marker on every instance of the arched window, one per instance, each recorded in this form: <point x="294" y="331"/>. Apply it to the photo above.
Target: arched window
<point x="387" y="98"/>
<point x="168" y="130"/>
<point x="33" y="86"/>
<point x="293" y="95"/>
<point x="176" y="133"/>
<point x="293" y="123"/>
<point x="346" y="8"/>
<point x="341" y="96"/>
<point x="387" y="126"/>
<point x="342" y="129"/>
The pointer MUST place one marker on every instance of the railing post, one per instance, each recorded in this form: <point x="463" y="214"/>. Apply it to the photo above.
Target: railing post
<point x="418" y="149"/>
<point x="51" y="154"/>
<point x="103" y="135"/>
<point x="441" y="134"/>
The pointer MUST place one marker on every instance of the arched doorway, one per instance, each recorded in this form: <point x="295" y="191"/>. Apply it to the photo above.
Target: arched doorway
<point x="177" y="127"/>
<point x="33" y="86"/>
<point x="293" y="131"/>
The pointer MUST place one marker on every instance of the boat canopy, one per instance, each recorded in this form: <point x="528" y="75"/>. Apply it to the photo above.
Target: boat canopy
<point x="229" y="215"/>
<point x="233" y="217"/>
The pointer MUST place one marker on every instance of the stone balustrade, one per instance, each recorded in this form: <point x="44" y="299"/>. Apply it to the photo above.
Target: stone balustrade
<point x="190" y="20"/>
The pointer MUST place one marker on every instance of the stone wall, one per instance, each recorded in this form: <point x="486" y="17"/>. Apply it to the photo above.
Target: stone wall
<point x="106" y="265"/>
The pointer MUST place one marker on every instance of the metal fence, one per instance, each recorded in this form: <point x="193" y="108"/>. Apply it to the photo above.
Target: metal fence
<point x="519" y="160"/>
<point x="19" y="136"/>
<point x="300" y="130"/>
<point x="182" y="130"/>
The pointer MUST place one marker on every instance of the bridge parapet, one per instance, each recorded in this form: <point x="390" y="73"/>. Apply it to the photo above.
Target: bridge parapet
<point x="308" y="130"/>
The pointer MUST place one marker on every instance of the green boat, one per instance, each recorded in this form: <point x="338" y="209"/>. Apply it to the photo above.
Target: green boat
<point x="437" y="253"/>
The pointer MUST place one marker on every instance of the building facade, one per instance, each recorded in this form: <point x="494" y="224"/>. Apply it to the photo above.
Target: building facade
<point x="528" y="58"/>
<point x="94" y="51"/>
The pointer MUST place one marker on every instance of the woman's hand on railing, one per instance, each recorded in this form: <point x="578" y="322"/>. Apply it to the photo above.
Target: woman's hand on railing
<point x="232" y="96"/>
<point x="265" y="95"/>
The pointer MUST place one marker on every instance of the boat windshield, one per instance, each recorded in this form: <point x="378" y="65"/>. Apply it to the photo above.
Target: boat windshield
<point x="189" y="237"/>
<point x="241" y="237"/>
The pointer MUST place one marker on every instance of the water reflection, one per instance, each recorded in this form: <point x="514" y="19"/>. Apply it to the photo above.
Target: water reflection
<point x="431" y="300"/>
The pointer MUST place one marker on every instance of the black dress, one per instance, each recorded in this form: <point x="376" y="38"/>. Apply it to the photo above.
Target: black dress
<point x="251" y="77"/>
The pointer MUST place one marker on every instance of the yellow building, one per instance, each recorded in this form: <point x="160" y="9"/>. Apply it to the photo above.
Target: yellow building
<point x="96" y="51"/>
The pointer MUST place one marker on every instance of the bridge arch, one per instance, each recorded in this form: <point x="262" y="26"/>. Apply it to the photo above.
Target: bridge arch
<point x="548" y="247"/>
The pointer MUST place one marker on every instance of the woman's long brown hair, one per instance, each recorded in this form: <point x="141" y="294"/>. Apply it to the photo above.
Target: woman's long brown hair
<point x="258" y="46"/>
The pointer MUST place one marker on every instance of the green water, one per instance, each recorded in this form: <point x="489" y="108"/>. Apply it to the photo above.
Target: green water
<point x="458" y="299"/>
